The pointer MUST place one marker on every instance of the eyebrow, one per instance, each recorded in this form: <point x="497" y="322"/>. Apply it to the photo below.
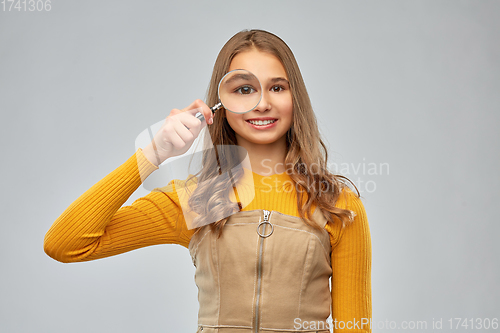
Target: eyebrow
<point x="236" y="77"/>
<point x="279" y="79"/>
<point x="242" y="76"/>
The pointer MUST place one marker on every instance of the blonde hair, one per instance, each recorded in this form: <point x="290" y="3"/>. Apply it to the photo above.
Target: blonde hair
<point x="306" y="151"/>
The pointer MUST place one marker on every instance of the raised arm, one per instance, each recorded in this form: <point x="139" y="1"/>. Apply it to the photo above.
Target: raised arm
<point x="96" y="226"/>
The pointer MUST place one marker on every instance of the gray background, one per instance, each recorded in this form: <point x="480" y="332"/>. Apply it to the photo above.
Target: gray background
<point x="413" y="84"/>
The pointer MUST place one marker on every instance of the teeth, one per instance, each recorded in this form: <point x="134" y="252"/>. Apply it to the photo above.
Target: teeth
<point x="261" y="122"/>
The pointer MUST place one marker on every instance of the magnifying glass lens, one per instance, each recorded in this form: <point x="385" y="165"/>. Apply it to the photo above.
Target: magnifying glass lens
<point x="240" y="91"/>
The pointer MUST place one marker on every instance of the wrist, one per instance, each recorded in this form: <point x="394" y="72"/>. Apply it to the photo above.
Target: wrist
<point x="144" y="166"/>
<point x="152" y="155"/>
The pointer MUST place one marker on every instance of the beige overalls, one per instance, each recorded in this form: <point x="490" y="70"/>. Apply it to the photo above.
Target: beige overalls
<point x="268" y="272"/>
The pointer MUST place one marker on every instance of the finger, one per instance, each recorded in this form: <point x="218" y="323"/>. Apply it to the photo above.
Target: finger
<point x="200" y="106"/>
<point x="188" y="119"/>
<point x="175" y="140"/>
<point x="174" y="112"/>
<point x="183" y="132"/>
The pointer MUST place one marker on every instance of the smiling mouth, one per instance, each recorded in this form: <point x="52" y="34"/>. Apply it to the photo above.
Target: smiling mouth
<point x="261" y="122"/>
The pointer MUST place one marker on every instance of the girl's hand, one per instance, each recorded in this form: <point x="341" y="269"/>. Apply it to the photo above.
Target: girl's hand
<point x="178" y="132"/>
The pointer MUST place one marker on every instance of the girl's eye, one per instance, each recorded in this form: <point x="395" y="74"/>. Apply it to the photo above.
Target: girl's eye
<point x="277" y="88"/>
<point x="245" y="90"/>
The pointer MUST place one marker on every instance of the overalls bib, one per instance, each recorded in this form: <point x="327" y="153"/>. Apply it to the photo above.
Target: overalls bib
<point x="268" y="272"/>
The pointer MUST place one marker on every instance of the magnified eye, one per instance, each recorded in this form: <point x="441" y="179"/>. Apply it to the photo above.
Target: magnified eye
<point x="239" y="91"/>
<point x="245" y="90"/>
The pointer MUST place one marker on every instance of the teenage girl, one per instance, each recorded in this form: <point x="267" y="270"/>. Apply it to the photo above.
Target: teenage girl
<point x="267" y="267"/>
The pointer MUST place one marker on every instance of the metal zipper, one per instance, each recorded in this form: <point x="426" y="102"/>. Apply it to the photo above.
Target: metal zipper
<point x="264" y="224"/>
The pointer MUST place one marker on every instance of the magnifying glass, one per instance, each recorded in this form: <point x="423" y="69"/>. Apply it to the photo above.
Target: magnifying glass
<point x="239" y="92"/>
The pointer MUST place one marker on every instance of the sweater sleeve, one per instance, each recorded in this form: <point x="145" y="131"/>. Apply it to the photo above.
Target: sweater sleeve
<point x="97" y="226"/>
<point x="351" y="265"/>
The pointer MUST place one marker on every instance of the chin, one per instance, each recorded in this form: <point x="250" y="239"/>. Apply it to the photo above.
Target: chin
<point x="263" y="141"/>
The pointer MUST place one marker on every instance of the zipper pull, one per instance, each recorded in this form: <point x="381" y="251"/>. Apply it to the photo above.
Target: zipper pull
<point x="263" y="224"/>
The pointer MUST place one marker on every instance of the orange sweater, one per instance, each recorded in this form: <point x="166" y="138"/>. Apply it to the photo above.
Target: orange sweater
<point x="97" y="226"/>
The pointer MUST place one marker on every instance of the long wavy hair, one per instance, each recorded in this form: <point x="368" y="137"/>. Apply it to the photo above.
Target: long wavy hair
<point x="306" y="151"/>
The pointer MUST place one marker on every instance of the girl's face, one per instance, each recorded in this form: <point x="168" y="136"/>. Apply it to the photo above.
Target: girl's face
<point x="274" y="111"/>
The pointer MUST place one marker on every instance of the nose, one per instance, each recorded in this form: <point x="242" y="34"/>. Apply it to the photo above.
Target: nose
<point x="264" y="104"/>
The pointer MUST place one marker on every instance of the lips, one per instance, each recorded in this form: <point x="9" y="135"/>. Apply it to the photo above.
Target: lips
<point x="262" y="121"/>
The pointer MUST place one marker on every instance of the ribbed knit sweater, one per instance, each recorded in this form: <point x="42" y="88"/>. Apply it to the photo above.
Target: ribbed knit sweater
<point x="97" y="226"/>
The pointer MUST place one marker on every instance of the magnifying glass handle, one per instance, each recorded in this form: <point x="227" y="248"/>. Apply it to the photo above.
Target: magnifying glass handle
<point x="214" y="108"/>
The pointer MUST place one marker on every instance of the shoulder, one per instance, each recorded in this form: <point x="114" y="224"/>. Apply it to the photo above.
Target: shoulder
<point x="358" y="228"/>
<point x="350" y="201"/>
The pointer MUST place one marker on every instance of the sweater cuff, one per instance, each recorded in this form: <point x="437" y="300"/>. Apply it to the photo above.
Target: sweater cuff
<point x="144" y="166"/>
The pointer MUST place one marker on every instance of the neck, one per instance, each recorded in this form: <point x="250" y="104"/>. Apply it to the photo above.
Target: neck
<point x="267" y="159"/>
